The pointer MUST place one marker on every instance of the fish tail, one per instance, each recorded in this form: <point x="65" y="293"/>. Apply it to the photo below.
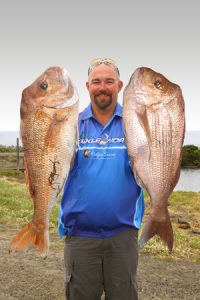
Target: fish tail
<point x="162" y="228"/>
<point x="29" y="235"/>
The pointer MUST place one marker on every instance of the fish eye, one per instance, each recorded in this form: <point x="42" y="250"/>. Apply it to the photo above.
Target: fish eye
<point x="44" y="85"/>
<point x="158" y="84"/>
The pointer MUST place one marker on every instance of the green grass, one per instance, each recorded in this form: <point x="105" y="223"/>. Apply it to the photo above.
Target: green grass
<point x="186" y="246"/>
<point x="185" y="205"/>
<point x="12" y="173"/>
<point x="16" y="209"/>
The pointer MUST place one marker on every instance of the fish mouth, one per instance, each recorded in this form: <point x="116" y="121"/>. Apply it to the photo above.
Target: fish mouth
<point x="137" y="76"/>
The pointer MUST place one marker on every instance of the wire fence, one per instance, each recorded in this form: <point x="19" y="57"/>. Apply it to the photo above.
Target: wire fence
<point x="12" y="161"/>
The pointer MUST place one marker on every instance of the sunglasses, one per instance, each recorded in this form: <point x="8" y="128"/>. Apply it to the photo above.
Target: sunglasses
<point x="107" y="61"/>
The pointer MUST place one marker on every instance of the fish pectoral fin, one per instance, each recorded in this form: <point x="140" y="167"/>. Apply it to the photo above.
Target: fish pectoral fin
<point x="54" y="129"/>
<point x="144" y="122"/>
<point x="28" y="235"/>
<point x="162" y="228"/>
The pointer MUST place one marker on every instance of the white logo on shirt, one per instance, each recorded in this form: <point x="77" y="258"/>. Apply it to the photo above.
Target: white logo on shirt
<point x="101" y="141"/>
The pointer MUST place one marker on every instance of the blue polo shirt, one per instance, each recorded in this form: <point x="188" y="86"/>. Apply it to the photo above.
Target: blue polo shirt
<point x="101" y="196"/>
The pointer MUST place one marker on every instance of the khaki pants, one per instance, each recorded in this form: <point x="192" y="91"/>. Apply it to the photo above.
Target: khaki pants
<point x="94" y="265"/>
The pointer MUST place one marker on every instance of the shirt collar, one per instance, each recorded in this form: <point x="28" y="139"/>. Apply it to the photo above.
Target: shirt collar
<point x="87" y="113"/>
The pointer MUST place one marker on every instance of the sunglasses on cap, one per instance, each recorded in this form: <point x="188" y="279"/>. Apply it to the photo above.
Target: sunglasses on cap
<point x="107" y="61"/>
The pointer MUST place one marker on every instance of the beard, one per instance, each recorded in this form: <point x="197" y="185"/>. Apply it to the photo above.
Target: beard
<point x="104" y="102"/>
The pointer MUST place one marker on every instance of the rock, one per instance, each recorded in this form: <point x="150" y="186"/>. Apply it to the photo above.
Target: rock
<point x="182" y="221"/>
<point x="184" y="224"/>
<point x="196" y="231"/>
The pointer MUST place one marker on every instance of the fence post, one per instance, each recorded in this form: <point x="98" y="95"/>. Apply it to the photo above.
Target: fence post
<point x="17" y="154"/>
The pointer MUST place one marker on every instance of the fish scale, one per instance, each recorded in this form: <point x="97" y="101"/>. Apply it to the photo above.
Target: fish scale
<point x="154" y="124"/>
<point x="160" y="146"/>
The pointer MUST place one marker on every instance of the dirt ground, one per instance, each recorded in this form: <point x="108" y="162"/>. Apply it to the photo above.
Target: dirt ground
<point x="26" y="276"/>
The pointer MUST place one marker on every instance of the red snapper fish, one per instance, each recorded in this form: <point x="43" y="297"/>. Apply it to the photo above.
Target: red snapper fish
<point x="49" y="116"/>
<point x="154" y="123"/>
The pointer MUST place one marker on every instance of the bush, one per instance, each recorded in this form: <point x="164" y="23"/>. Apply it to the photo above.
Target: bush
<point x="10" y="149"/>
<point x="190" y="156"/>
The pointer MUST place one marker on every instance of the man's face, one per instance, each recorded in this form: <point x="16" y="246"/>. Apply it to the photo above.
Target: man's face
<point x="103" y="86"/>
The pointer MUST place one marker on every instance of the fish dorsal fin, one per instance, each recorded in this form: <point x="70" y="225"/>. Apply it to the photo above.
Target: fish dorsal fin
<point x="58" y="116"/>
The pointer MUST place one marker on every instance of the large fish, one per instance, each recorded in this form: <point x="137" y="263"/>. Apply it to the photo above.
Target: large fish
<point x="49" y="115"/>
<point x="154" y="123"/>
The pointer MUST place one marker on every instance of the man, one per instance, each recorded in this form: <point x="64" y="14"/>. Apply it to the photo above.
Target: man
<point x="102" y="205"/>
